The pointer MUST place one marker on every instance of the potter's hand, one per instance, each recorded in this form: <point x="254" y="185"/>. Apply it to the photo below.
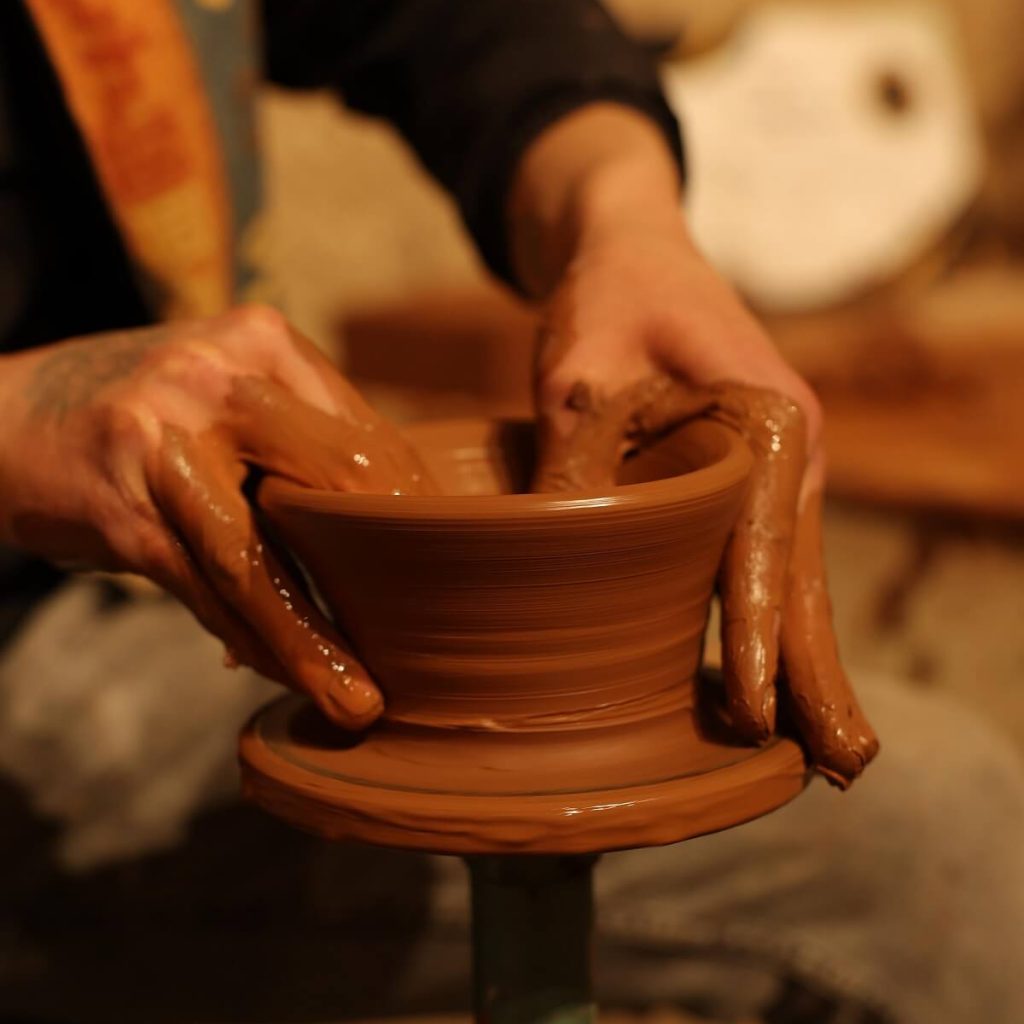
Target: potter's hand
<point x="772" y="578"/>
<point x="127" y="452"/>
<point x="639" y="334"/>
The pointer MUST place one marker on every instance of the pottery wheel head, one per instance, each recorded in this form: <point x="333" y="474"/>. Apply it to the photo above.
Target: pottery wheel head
<point x="537" y="654"/>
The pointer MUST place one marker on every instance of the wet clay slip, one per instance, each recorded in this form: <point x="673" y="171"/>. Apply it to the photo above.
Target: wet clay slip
<point x="537" y="654"/>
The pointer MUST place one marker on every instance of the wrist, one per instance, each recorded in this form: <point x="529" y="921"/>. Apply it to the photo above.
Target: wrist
<point x="620" y="197"/>
<point x="601" y="170"/>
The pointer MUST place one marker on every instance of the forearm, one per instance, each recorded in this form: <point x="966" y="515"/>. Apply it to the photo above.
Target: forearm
<point x="638" y="331"/>
<point x="603" y="169"/>
<point x="470" y="85"/>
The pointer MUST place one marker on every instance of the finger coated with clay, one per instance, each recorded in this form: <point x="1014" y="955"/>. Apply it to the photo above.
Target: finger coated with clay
<point x="753" y="576"/>
<point x="606" y="429"/>
<point x="179" y="576"/>
<point x="197" y="485"/>
<point x="285" y="435"/>
<point x="835" y="731"/>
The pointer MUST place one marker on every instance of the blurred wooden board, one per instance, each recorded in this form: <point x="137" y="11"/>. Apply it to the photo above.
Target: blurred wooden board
<point x="459" y="352"/>
<point x="924" y="400"/>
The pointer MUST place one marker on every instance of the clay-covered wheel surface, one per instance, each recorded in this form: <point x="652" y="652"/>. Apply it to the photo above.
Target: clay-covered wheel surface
<point x="395" y="788"/>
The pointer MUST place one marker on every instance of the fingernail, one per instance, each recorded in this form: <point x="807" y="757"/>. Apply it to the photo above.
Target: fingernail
<point x="354" y="701"/>
<point x="835" y="778"/>
<point x="840" y="755"/>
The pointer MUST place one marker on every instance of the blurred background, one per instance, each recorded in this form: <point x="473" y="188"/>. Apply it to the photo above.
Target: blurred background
<point x="857" y="169"/>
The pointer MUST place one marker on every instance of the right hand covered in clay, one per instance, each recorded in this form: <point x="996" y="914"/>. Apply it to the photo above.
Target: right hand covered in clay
<point x="640" y="333"/>
<point x="127" y="451"/>
<point x="776" y="617"/>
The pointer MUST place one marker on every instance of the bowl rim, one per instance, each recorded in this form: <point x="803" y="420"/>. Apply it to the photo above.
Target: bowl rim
<point x="278" y="494"/>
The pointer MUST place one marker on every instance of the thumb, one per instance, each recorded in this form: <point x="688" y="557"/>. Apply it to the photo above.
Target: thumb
<point x="584" y="450"/>
<point x="838" y="736"/>
<point x="579" y="443"/>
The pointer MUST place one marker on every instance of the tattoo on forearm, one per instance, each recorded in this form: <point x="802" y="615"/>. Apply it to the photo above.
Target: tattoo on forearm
<point x="77" y="369"/>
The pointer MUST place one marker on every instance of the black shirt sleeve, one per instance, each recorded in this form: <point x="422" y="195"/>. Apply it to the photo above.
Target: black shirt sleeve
<point x="468" y="82"/>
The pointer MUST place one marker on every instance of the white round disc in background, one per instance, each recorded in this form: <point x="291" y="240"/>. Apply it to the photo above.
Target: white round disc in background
<point x="828" y="147"/>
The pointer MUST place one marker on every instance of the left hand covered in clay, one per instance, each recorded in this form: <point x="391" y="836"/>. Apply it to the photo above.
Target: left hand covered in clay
<point x="640" y="334"/>
<point x="128" y="451"/>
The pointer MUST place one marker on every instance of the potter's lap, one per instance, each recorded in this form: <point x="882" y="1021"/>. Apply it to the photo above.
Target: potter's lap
<point x="945" y="784"/>
<point x="914" y="873"/>
<point x="907" y="892"/>
<point x="118" y="720"/>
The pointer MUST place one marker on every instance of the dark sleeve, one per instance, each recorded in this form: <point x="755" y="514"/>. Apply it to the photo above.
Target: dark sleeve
<point x="468" y="82"/>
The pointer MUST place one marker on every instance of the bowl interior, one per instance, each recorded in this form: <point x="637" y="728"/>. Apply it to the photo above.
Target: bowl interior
<point x="481" y="457"/>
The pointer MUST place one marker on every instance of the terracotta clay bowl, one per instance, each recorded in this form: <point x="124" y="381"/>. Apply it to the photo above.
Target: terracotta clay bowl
<point x="537" y="654"/>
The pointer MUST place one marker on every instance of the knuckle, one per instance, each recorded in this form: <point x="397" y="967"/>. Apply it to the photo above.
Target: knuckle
<point x="193" y="359"/>
<point x="811" y="409"/>
<point x="229" y="562"/>
<point x="155" y="556"/>
<point x="791" y="404"/>
<point x="556" y="385"/>
<point x="125" y="425"/>
<point x="258" y="318"/>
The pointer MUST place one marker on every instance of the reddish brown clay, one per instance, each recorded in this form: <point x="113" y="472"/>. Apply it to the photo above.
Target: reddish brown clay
<point x="772" y="580"/>
<point x="537" y="654"/>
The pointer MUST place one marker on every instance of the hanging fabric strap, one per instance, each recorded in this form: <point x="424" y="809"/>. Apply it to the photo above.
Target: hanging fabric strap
<point x="133" y="88"/>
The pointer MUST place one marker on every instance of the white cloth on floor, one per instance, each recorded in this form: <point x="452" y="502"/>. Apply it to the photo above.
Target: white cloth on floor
<point x="905" y="895"/>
